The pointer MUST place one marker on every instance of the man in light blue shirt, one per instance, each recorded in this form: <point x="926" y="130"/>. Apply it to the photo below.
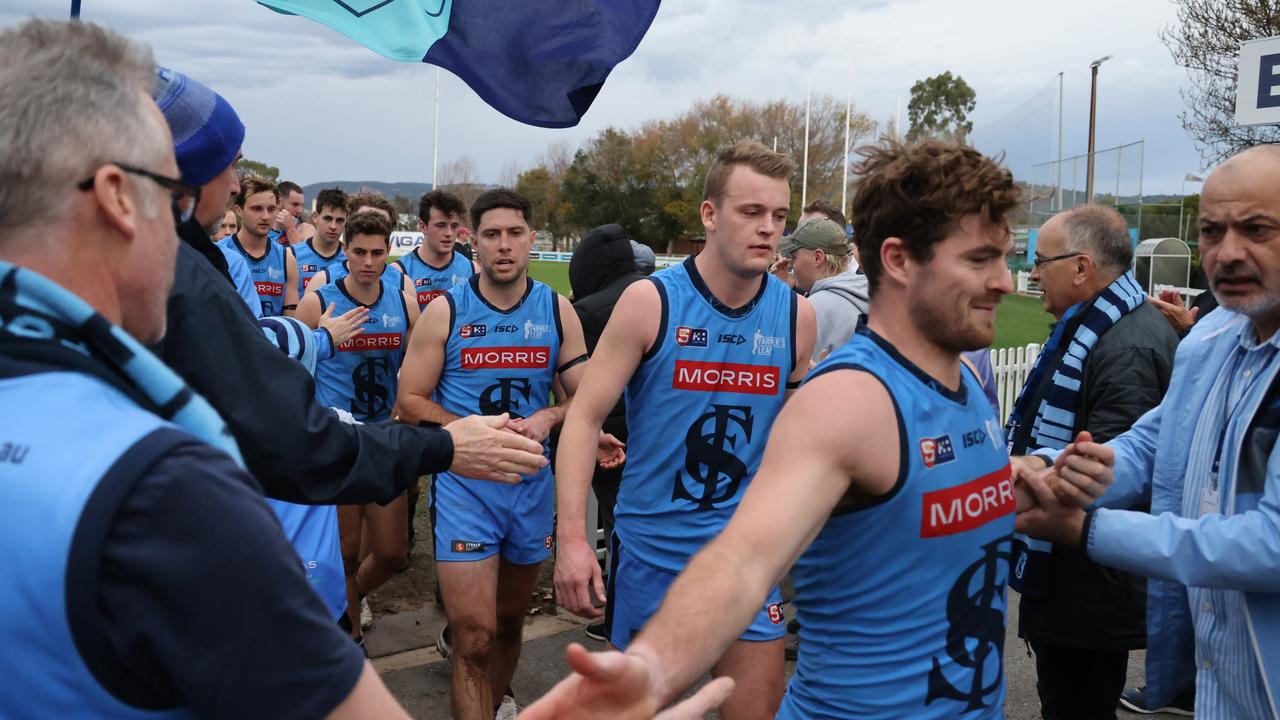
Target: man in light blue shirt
<point x="1206" y="459"/>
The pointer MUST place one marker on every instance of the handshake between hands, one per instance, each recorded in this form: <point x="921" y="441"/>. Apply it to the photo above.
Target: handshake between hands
<point x="1051" y="498"/>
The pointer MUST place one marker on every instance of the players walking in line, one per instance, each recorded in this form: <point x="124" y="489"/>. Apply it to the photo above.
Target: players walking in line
<point x="706" y="352"/>
<point x="272" y="266"/>
<point x="492" y="345"/>
<point x="434" y="266"/>
<point x="361" y="377"/>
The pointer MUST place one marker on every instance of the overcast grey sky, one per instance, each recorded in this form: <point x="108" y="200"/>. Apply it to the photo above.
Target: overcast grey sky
<point x="322" y="107"/>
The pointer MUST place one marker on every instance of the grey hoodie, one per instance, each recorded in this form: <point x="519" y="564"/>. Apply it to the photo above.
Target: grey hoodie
<point x="838" y="302"/>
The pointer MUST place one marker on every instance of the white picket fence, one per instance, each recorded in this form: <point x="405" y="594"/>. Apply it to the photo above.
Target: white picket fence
<point x="1011" y="366"/>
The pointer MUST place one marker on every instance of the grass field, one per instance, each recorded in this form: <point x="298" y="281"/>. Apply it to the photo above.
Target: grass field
<point x="1019" y="319"/>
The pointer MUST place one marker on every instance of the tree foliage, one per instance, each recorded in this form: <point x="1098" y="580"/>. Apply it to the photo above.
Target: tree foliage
<point x="253" y="167"/>
<point x="650" y="179"/>
<point x="940" y="107"/>
<point x="1206" y="41"/>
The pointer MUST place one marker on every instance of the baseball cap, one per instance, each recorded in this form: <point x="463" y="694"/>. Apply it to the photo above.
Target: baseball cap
<point x="816" y="234"/>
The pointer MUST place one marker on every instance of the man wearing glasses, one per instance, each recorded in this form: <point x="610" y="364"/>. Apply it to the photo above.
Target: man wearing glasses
<point x="131" y="537"/>
<point x="1106" y="362"/>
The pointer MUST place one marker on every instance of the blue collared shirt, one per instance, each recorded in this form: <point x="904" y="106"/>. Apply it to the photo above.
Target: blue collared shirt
<point x="1229" y="682"/>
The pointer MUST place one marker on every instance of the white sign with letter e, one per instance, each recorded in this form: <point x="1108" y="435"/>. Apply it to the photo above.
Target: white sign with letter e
<point x="1258" y="84"/>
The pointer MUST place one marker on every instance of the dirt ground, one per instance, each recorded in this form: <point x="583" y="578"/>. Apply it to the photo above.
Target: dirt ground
<point x="415" y="587"/>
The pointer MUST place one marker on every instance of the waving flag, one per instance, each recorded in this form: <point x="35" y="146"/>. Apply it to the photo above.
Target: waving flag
<point x="541" y="62"/>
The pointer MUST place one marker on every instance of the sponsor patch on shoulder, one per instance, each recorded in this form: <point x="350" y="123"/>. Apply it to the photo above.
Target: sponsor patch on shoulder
<point x="691" y="336"/>
<point x="937" y="450"/>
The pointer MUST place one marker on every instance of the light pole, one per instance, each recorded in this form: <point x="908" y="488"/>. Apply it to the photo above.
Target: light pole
<point x="1182" y="200"/>
<point x="1093" y="116"/>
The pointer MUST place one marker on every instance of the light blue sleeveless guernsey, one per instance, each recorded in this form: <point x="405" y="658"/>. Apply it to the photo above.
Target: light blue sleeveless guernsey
<point x="312" y="263"/>
<point x="268" y="273"/>
<point x="430" y="282"/>
<point x="699" y="410"/>
<point x="499" y="361"/>
<point x="361" y="375"/>
<point x="902" y="604"/>
<point x="336" y="271"/>
<point x="45" y="485"/>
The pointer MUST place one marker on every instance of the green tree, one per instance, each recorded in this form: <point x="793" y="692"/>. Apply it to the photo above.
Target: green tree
<point x="1206" y="41"/>
<point x="253" y="167"/>
<point x="940" y="107"/>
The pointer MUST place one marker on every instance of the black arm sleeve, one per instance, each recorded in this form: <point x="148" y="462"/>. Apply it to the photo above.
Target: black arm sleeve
<point x="298" y="450"/>
<point x="203" y="602"/>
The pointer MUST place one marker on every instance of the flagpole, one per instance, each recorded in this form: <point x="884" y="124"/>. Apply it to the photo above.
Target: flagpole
<point x="75" y="9"/>
<point x="804" y="174"/>
<point x="435" y="142"/>
<point x="844" y="184"/>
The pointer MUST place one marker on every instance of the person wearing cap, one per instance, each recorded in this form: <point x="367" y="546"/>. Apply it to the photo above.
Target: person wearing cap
<point x="646" y="261"/>
<point x="295" y="448"/>
<point x="818" y="255"/>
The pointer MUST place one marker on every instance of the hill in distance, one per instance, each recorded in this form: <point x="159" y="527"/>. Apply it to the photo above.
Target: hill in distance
<point x="411" y="190"/>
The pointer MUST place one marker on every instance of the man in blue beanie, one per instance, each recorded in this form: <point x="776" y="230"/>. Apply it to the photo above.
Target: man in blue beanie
<point x="298" y="450"/>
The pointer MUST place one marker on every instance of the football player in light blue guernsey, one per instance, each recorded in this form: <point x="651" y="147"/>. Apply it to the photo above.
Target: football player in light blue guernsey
<point x="885" y="481"/>
<point x="361" y="378"/>
<point x="492" y="345"/>
<point x="271" y="265"/>
<point x="706" y="351"/>
<point x="334" y="271"/>
<point x="434" y="266"/>
<point x="324" y="248"/>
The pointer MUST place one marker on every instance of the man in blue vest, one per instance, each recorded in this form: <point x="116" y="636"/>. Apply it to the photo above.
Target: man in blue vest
<point x="705" y="351"/>
<point x="492" y="345"/>
<point x="131" y="538"/>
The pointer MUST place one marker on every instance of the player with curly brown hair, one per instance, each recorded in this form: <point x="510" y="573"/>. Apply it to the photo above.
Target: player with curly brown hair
<point x="884" y="481"/>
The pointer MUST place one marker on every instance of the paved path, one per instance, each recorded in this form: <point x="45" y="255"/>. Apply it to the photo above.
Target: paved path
<point x="404" y="652"/>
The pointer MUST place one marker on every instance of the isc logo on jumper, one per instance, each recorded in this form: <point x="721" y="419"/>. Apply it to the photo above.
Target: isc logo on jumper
<point x="691" y="336"/>
<point x="727" y="377"/>
<point x="505" y="357"/>
<point x="936" y="451"/>
<point x="965" y="507"/>
<point x="473" y="330"/>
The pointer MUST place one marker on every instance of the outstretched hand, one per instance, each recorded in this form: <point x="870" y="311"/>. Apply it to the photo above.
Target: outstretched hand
<point x="1170" y="306"/>
<point x="484" y="449"/>
<point x="617" y="686"/>
<point x="345" y="326"/>
<point x="1047" y="517"/>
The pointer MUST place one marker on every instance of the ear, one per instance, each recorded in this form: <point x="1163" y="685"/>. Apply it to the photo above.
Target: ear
<point x="422" y="227"/>
<point x="708" y="213"/>
<point x="1085" y="270"/>
<point x="819" y="257"/>
<point x="116" y="200"/>
<point x="894" y="259"/>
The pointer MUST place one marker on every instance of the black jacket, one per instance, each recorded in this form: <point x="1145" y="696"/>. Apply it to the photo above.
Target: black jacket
<point x="602" y="266"/>
<point x="1125" y="375"/>
<point x="297" y="449"/>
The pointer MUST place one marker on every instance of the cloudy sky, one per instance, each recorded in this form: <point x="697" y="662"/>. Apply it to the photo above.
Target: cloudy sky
<point x="321" y="107"/>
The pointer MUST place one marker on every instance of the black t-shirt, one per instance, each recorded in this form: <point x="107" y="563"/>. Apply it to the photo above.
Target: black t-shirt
<point x="201" y="601"/>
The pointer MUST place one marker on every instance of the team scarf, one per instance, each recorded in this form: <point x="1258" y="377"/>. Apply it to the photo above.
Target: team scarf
<point x="43" y="322"/>
<point x="1053" y="424"/>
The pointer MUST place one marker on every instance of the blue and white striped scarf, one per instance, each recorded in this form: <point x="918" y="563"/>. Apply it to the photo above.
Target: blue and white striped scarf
<point x="40" y="316"/>
<point x="1054" y="419"/>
